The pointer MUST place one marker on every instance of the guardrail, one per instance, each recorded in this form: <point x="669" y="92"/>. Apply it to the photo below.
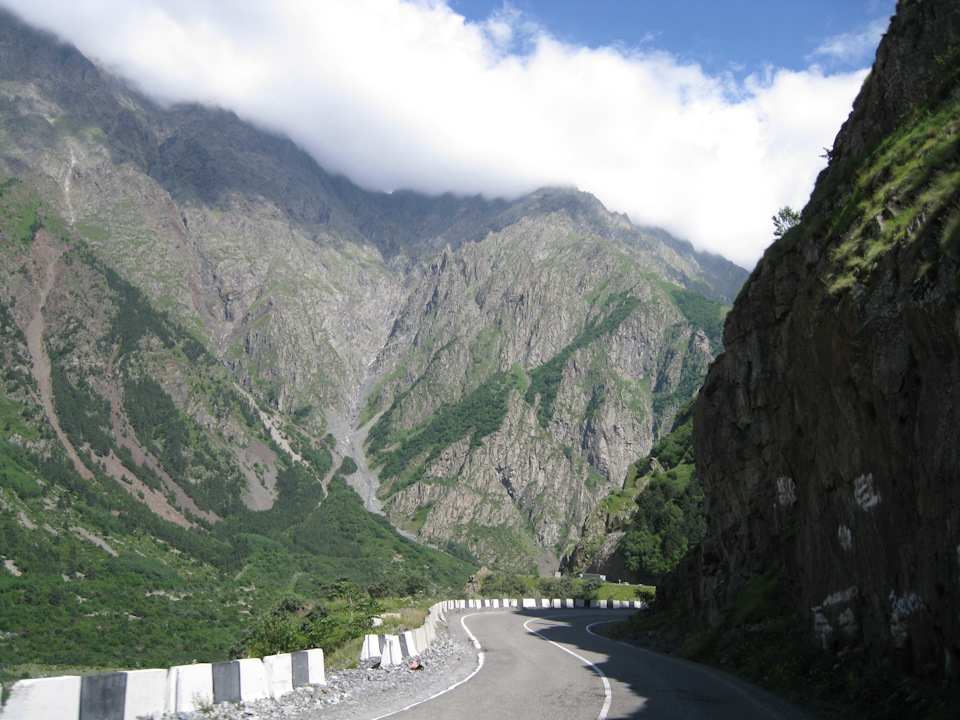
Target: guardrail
<point x="186" y="688"/>
<point x="397" y="649"/>
<point x="150" y="693"/>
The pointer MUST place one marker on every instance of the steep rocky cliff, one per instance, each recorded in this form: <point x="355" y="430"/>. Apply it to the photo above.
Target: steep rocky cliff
<point x="601" y="356"/>
<point x="826" y="436"/>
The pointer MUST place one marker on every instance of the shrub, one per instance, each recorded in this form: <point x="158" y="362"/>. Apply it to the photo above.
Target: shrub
<point x="410" y="583"/>
<point x="504" y="585"/>
<point x="297" y="624"/>
<point x="646" y="593"/>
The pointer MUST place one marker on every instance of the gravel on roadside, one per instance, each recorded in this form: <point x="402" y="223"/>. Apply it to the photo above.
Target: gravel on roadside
<point x="361" y="693"/>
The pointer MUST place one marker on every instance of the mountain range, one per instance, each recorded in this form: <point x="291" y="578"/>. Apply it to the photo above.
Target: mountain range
<point x="229" y="376"/>
<point x="195" y="312"/>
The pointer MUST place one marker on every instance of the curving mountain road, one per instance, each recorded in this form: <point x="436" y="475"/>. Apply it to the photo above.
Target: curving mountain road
<point x="548" y="665"/>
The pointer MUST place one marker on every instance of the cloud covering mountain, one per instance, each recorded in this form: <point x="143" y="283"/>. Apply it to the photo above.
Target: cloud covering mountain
<point x="399" y="94"/>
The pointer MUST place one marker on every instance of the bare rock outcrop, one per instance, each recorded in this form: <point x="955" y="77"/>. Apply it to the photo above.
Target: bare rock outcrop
<point x="827" y="436"/>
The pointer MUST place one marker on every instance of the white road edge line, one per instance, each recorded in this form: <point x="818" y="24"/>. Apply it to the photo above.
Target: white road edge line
<point x="608" y="696"/>
<point x="480" y="654"/>
<point x="589" y="629"/>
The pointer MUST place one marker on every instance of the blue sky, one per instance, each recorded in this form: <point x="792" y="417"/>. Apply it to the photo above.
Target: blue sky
<point x="703" y="117"/>
<point x="739" y="36"/>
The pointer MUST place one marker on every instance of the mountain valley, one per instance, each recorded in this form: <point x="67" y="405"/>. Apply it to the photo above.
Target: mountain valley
<point x="231" y="380"/>
<point x="210" y="343"/>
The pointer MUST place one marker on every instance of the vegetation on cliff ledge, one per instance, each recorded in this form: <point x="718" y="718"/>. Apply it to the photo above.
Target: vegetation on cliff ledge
<point x="545" y="380"/>
<point x="903" y="191"/>
<point x="669" y="517"/>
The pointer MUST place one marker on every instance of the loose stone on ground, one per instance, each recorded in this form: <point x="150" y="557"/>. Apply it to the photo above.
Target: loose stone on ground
<point x="363" y="692"/>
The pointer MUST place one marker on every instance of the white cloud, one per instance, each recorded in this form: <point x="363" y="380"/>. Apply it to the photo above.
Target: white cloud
<point x="853" y="47"/>
<point x="402" y="94"/>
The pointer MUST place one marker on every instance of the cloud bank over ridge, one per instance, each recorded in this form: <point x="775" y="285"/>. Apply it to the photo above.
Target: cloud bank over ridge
<point x="408" y="94"/>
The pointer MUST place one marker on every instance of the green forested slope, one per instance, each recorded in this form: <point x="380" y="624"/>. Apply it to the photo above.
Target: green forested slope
<point x="105" y="564"/>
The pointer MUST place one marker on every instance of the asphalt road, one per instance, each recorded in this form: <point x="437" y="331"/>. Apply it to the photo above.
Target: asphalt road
<point x="547" y="665"/>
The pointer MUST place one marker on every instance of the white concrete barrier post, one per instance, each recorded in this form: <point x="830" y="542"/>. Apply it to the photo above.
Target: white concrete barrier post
<point x="391" y="651"/>
<point x="371" y="647"/>
<point x="190" y="686"/>
<point x="43" y="699"/>
<point x="102" y="695"/>
<point x="146" y="694"/>
<point x="308" y="668"/>
<point x="420" y="639"/>
<point x="253" y="680"/>
<point x="279" y="674"/>
<point x="408" y="646"/>
<point x="226" y="682"/>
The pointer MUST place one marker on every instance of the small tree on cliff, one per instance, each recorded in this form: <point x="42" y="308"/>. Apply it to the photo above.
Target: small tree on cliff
<point x="785" y="219"/>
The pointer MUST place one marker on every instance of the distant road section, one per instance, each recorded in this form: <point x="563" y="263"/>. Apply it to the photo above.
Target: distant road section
<point x="547" y="665"/>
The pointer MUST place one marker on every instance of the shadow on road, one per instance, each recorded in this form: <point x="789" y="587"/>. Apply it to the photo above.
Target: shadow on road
<point x="652" y="686"/>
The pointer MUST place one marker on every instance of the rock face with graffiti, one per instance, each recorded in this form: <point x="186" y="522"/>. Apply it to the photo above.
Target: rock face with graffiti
<point x="828" y="436"/>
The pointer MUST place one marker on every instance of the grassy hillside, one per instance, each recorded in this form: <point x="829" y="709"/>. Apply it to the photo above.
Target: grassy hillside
<point x="122" y="515"/>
